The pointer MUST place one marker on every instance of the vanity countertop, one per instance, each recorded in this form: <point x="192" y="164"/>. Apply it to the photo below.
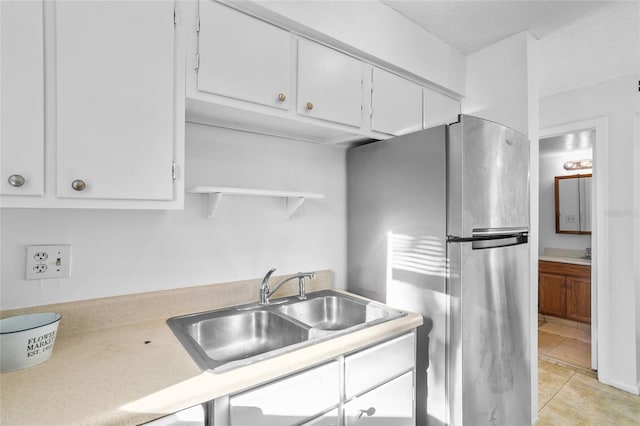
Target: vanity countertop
<point x="136" y="371"/>
<point x="560" y="259"/>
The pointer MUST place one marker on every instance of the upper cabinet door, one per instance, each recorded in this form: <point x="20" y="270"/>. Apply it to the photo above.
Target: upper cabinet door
<point x="329" y="84"/>
<point x="243" y="57"/>
<point x="439" y="109"/>
<point x="22" y="94"/>
<point x="396" y="104"/>
<point x="116" y="112"/>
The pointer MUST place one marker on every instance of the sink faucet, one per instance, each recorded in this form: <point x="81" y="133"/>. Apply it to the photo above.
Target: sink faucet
<point x="266" y="292"/>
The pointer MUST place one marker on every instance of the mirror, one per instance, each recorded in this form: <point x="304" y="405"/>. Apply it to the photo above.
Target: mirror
<point x="573" y="204"/>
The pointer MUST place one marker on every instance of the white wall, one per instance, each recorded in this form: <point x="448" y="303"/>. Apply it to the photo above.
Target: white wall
<point x="498" y="82"/>
<point x="617" y="321"/>
<point x="551" y="165"/>
<point x="129" y="251"/>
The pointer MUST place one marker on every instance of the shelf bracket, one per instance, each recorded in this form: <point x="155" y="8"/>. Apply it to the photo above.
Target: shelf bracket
<point x="291" y="205"/>
<point x="213" y="201"/>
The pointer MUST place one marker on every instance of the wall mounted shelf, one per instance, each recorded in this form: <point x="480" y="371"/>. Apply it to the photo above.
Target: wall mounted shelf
<point x="291" y="200"/>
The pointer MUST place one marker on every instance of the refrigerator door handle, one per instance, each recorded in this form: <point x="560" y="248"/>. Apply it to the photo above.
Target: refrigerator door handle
<point x="486" y="238"/>
<point x="513" y="240"/>
<point x="490" y="233"/>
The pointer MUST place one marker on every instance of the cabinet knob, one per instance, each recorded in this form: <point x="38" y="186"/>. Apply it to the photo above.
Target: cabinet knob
<point x="281" y="97"/>
<point x="309" y="106"/>
<point x="78" y="185"/>
<point x="369" y="412"/>
<point x="16" y="180"/>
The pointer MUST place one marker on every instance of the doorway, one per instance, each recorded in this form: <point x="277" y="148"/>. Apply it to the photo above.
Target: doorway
<point x="596" y="130"/>
<point x="564" y="281"/>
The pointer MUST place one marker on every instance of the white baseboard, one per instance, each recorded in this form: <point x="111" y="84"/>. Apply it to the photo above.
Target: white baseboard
<point x="623" y="386"/>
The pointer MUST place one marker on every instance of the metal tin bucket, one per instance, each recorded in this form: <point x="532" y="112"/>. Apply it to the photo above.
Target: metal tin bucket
<point x="27" y="340"/>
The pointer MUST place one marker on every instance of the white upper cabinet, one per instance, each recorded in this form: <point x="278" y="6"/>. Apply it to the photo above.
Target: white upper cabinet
<point x="396" y="104"/>
<point x="253" y="70"/>
<point x="329" y="84"/>
<point x="115" y="107"/>
<point x="439" y="109"/>
<point x="242" y="57"/>
<point x="22" y="94"/>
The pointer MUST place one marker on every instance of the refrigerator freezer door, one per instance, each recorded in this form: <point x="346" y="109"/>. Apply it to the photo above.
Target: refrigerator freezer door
<point x="489" y="356"/>
<point x="488" y="177"/>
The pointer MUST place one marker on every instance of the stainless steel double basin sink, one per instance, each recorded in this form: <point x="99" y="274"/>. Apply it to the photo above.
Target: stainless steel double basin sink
<point x="228" y="338"/>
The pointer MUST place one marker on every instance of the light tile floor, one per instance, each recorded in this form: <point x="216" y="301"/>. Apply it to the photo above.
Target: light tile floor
<point x="569" y="392"/>
<point x="568" y="344"/>
<point x="573" y="396"/>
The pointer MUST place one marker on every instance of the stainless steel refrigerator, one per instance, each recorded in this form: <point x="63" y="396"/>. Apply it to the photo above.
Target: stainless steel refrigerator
<point x="438" y="224"/>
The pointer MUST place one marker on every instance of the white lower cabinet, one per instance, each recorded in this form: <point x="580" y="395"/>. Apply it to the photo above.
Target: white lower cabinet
<point x="373" y="386"/>
<point x="289" y="401"/>
<point x="391" y="404"/>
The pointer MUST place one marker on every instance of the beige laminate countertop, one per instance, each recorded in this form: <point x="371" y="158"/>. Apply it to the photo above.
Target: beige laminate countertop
<point x="135" y="372"/>
<point x="559" y="259"/>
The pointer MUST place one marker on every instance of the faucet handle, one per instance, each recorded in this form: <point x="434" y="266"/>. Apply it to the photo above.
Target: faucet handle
<point x="310" y="275"/>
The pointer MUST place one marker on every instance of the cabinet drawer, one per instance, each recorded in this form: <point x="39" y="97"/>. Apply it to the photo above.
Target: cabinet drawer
<point x="391" y="404"/>
<point x="370" y="367"/>
<point x="288" y="401"/>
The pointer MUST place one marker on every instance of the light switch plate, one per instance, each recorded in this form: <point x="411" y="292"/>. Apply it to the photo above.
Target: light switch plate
<point x="48" y="261"/>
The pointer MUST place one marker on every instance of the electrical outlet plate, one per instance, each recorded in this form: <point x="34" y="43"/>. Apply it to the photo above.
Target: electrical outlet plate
<point x="48" y="261"/>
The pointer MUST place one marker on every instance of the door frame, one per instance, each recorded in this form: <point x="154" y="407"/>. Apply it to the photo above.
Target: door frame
<point x="599" y="236"/>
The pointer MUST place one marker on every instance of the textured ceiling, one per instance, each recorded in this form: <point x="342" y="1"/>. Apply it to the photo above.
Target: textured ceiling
<point x="471" y="25"/>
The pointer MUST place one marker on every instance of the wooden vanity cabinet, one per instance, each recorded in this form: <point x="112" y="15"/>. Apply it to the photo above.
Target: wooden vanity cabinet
<point x="564" y="290"/>
<point x="579" y="299"/>
<point x="552" y="295"/>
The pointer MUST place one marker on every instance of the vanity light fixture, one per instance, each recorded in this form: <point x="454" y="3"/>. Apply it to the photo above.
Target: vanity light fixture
<point x="579" y="164"/>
